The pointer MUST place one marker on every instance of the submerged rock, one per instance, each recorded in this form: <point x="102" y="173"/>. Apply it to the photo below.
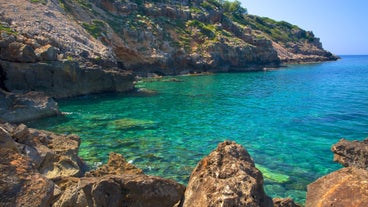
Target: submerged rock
<point x="275" y="177"/>
<point x="351" y="153"/>
<point x="129" y="123"/>
<point x="226" y="177"/>
<point x="347" y="187"/>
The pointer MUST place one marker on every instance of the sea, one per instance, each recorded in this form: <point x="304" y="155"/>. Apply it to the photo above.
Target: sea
<point x="287" y="119"/>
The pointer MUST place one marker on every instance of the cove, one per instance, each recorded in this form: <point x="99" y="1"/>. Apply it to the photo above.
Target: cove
<point x="287" y="119"/>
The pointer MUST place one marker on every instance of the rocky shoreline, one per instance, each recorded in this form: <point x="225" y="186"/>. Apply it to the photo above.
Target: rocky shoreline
<point x="40" y="168"/>
<point x="62" y="48"/>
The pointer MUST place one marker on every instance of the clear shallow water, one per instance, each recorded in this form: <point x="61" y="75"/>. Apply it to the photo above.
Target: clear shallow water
<point x="287" y="119"/>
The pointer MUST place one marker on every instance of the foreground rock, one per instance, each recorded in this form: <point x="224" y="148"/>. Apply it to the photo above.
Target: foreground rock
<point x="226" y="177"/>
<point x="118" y="183"/>
<point x="40" y="168"/>
<point x="351" y="153"/>
<point x="21" y="107"/>
<point x="21" y="156"/>
<point x="21" y="184"/>
<point x="347" y="187"/>
<point x="54" y="156"/>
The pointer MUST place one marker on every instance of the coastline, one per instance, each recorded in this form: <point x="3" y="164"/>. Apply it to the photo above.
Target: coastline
<point x="55" y="174"/>
<point x="79" y="49"/>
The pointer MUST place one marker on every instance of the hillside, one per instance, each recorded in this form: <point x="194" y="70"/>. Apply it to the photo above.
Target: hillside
<point x="72" y="47"/>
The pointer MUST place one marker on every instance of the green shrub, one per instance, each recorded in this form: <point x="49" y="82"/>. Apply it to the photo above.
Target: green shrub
<point x="234" y="7"/>
<point x="7" y="30"/>
<point x="39" y="1"/>
<point x="207" y="30"/>
<point x="95" y="29"/>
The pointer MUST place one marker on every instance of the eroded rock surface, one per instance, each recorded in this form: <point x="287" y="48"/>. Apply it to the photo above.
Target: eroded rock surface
<point x="226" y="177"/>
<point x="20" y="182"/>
<point x="351" y="153"/>
<point x="119" y="183"/>
<point x="347" y="187"/>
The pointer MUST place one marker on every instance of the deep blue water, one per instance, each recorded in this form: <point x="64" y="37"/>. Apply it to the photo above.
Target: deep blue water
<point x="287" y="119"/>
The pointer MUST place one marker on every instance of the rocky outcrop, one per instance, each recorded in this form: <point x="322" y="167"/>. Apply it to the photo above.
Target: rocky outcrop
<point x="54" y="156"/>
<point x="20" y="183"/>
<point x="40" y="168"/>
<point x="119" y="183"/>
<point x="346" y="188"/>
<point x="62" y="79"/>
<point x="226" y="177"/>
<point x="351" y="153"/>
<point x="31" y="160"/>
<point x="21" y="107"/>
<point x="44" y="49"/>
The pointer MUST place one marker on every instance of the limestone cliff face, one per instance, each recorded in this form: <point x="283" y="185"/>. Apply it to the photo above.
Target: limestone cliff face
<point x="45" y="38"/>
<point x="43" y="48"/>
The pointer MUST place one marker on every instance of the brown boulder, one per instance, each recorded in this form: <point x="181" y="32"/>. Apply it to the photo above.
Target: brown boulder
<point x="20" y="183"/>
<point x="72" y="194"/>
<point x="119" y="183"/>
<point x="132" y="190"/>
<point x="347" y="187"/>
<point x="351" y="153"/>
<point x="226" y="177"/>
<point x="54" y="156"/>
<point x="60" y="155"/>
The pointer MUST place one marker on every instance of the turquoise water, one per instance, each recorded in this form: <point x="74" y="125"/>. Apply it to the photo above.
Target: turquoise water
<point x="287" y="119"/>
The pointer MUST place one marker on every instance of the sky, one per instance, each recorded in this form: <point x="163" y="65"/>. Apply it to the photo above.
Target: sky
<point x="341" y="25"/>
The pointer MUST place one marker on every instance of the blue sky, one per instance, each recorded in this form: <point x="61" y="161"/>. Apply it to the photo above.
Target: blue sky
<point x="341" y="25"/>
